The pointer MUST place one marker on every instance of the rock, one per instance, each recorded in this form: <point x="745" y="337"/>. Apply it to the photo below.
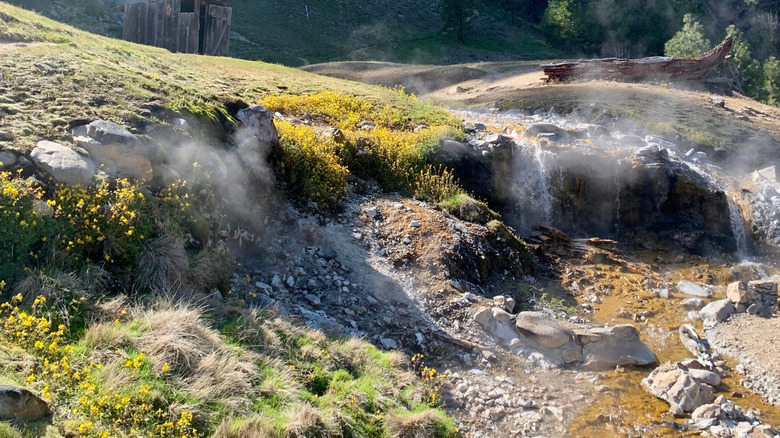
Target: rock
<point x="693" y="343"/>
<point x="498" y="323"/>
<point x="6" y="136"/>
<point x="718" y="101"/>
<point x="118" y="152"/>
<point x="693" y="303"/>
<point x="414" y="224"/>
<point x="7" y="159"/>
<point x="313" y="299"/>
<point x="716" y="311"/>
<point x="705" y="376"/>
<point x="543" y="329"/>
<point x="453" y="148"/>
<point x="673" y="383"/>
<point x="259" y="141"/>
<point x="64" y="164"/>
<point x="388" y="343"/>
<point x="652" y="153"/>
<point x="690" y="288"/>
<point x="558" y="134"/>
<point x="738" y="292"/>
<point x="609" y="347"/>
<point x="17" y="403"/>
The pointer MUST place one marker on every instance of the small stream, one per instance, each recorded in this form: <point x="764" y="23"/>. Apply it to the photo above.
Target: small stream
<point x="624" y="407"/>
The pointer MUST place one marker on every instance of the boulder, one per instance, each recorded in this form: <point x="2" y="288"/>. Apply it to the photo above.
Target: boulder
<point x="118" y="152"/>
<point x="543" y="330"/>
<point x="716" y="311"/>
<point x="65" y="165"/>
<point x="738" y="292"/>
<point x="607" y="347"/>
<point x="705" y="376"/>
<point x="673" y="383"/>
<point x="17" y="403"/>
<point x="498" y="323"/>
<point x="7" y="159"/>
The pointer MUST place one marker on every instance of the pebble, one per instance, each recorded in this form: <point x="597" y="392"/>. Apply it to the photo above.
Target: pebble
<point x="414" y="224"/>
<point x="6" y="136"/>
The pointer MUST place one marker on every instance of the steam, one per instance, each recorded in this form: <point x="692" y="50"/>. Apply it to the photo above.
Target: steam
<point x="234" y="172"/>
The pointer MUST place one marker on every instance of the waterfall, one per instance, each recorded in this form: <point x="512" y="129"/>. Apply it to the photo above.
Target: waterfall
<point x="531" y="187"/>
<point x="738" y="229"/>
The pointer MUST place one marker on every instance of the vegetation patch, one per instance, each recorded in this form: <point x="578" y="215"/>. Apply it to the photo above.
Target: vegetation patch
<point x="371" y="140"/>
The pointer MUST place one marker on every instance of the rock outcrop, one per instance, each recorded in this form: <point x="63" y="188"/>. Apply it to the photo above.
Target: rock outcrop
<point x="115" y="149"/>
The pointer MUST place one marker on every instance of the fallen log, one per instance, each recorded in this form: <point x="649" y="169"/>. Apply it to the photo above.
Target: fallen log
<point x="655" y="67"/>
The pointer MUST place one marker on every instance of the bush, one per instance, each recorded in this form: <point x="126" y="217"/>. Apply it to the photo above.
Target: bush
<point x="392" y="152"/>
<point x="689" y="42"/>
<point x="23" y="233"/>
<point x="313" y="171"/>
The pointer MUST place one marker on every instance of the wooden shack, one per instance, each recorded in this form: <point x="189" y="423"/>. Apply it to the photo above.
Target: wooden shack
<point x="187" y="26"/>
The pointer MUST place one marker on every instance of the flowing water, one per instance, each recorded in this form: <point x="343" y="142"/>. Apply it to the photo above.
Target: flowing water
<point x="623" y="407"/>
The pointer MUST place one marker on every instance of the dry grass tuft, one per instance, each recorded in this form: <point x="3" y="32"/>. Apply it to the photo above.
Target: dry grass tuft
<point x="254" y="427"/>
<point x="161" y="265"/>
<point x="106" y="336"/>
<point x="303" y="421"/>
<point x="210" y="270"/>
<point x="225" y="377"/>
<point x="177" y="335"/>
<point x="111" y="310"/>
<point x="420" y="425"/>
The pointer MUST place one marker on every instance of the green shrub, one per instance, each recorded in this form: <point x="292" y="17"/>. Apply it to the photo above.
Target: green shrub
<point x="689" y="42"/>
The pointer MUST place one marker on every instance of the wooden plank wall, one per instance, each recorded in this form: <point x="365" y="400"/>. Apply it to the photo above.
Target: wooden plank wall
<point x="160" y="23"/>
<point x="217" y="38"/>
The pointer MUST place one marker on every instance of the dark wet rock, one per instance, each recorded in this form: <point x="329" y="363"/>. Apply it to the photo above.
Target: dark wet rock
<point x="547" y="130"/>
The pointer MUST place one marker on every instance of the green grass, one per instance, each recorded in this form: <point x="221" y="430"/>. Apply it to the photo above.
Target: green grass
<point x="97" y="77"/>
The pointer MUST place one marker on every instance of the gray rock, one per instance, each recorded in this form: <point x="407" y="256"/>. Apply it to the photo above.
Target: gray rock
<point x="388" y="343"/>
<point x="17" y="403"/>
<point x="64" y="164"/>
<point x="705" y="376"/>
<point x="6" y="136"/>
<point x="313" y="299"/>
<point x="7" y="159"/>
<point x="125" y="156"/>
<point x="498" y="323"/>
<point x="673" y="383"/>
<point x="716" y="311"/>
<point x="257" y="141"/>
<point x="452" y="147"/>
<point x="609" y="347"/>
<point x="543" y="329"/>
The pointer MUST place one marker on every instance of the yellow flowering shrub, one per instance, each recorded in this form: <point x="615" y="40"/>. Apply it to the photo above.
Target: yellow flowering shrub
<point x="313" y="171"/>
<point x="102" y="222"/>
<point x="392" y="152"/>
<point x="77" y="385"/>
<point x="21" y="230"/>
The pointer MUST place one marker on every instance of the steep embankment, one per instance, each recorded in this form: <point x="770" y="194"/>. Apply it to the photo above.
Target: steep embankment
<point x="123" y="312"/>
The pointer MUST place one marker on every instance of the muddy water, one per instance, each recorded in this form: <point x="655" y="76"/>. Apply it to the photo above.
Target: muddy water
<point x="623" y="407"/>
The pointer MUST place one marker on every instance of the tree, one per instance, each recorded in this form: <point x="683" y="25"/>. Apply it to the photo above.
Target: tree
<point x="455" y="14"/>
<point x="689" y="41"/>
<point x="771" y="87"/>
<point x="563" y="22"/>
<point x="750" y="72"/>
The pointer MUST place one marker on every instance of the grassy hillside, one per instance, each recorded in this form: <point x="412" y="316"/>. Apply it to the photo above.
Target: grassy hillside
<point x="88" y="274"/>
<point x="280" y="32"/>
